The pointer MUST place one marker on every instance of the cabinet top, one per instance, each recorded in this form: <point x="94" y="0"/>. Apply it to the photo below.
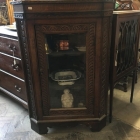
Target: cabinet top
<point x="57" y="1"/>
<point x="25" y="8"/>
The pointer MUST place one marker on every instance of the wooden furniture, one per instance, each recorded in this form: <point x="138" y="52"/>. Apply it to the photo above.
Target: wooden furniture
<point x="65" y="45"/>
<point x="122" y="5"/>
<point x="11" y="70"/>
<point x="10" y="12"/>
<point x="124" y="49"/>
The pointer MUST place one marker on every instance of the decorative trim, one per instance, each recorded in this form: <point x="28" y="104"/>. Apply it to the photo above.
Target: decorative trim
<point x="75" y="28"/>
<point x="71" y="14"/>
<point x="68" y="112"/>
<point x="91" y="38"/>
<point x="42" y="70"/>
<point x="24" y="48"/>
<point x="19" y="16"/>
<point x="104" y="67"/>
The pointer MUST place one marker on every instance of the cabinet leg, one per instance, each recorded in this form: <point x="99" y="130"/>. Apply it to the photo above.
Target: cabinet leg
<point x="39" y="128"/>
<point x="97" y="126"/>
<point x="125" y="81"/>
<point x="92" y="129"/>
<point x="133" y="84"/>
<point x="111" y="102"/>
<point x="136" y="78"/>
<point x="125" y="87"/>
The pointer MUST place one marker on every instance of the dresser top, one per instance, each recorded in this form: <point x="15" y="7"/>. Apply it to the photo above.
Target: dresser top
<point x="4" y="31"/>
<point x="126" y="12"/>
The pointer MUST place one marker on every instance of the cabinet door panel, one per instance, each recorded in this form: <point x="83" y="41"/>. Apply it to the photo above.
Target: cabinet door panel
<point x="67" y="68"/>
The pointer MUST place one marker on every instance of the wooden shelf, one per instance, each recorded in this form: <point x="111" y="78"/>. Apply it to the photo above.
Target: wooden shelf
<point x="70" y="53"/>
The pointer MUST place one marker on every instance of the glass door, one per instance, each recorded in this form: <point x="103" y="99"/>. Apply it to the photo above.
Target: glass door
<point x="66" y="58"/>
<point x="66" y="61"/>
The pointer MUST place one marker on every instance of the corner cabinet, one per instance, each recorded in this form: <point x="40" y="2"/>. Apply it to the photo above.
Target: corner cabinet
<point x="65" y="51"/>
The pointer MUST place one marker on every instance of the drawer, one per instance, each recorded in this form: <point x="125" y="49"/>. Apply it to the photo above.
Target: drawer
<point x="8" y="45"/>
<point x="13" y="85"/>
<point x="7" y="64"/>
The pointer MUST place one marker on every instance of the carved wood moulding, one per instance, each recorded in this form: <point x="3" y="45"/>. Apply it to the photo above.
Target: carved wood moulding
<point x="62" y="15"/>
<point x="68" y="112"/>
<point x="42" y="71"/>
<point x="104" y="67"/>
<point x="20" y="24"/>
<point x="65" y="7"/>
<point x="64" y="28"/>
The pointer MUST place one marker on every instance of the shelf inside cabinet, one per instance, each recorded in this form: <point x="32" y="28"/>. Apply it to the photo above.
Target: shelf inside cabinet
<point x="70" y="53"/>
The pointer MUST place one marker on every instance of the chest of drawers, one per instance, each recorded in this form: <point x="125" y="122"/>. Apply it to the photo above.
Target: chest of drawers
<point x="11" y="71"/>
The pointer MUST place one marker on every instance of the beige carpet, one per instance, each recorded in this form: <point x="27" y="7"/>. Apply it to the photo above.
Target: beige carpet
<point x="123" y="109"/>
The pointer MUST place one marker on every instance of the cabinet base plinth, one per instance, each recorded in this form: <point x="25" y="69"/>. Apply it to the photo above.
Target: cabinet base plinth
<point x="41" y="126"/>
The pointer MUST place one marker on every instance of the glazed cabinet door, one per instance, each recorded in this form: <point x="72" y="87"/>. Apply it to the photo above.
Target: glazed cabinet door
<point x="66" y="62"/>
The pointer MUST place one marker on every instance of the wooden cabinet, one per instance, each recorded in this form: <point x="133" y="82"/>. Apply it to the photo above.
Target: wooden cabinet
<point x="65" y="49"/>
<point x="11" y="70"/>
<point x="124" y="49"/>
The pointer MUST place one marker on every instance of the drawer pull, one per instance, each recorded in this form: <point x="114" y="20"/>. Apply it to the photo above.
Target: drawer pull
<point x="18" y="89"/>
<point x="15" y="67"/>
<point x="12" y="48"/>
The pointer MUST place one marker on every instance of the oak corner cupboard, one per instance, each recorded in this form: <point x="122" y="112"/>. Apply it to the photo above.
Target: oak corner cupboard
<point x="65" y="51"/>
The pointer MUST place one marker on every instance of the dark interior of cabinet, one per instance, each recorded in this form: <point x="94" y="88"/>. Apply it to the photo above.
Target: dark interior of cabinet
<point x="71" y="59"/>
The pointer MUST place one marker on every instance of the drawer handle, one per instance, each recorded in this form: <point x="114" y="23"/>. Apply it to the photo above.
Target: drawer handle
<point x="15" y="67"/>
<point x="12" y="48"/>
<point x="17" y="88"/>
